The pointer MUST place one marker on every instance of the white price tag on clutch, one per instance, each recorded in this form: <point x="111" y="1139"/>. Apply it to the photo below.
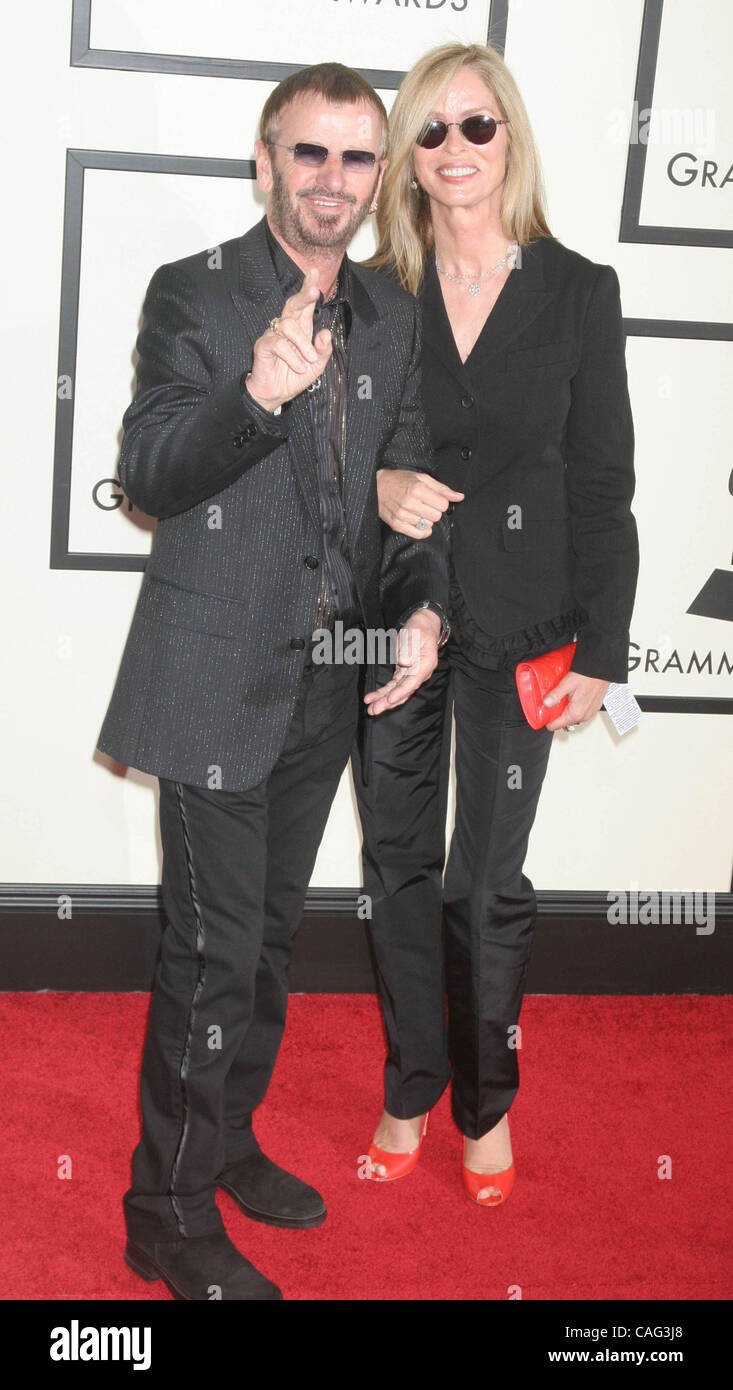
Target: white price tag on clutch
<point x="622" y="707"/>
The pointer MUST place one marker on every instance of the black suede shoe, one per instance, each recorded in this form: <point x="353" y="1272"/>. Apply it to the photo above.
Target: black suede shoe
<point x="267" y="1193"/>
<point x="200" y="1268"/>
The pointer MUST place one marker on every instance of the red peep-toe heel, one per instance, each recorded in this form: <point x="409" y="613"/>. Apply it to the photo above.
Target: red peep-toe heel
<point x="396" y="1165"/>
<point x="474" y="1183"/>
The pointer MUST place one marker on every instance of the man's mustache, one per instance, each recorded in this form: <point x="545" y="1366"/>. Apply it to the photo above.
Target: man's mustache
<point x="325" y="193"/>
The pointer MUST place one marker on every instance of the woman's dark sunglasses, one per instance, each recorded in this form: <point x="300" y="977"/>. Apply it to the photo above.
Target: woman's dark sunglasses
<point x="478" y="129"/>
<point x="313" y="156"/>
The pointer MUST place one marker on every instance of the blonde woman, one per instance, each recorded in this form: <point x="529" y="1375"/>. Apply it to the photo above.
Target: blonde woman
<point x="524" y="386"/>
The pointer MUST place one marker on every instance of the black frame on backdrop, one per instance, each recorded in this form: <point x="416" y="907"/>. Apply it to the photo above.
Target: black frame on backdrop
<point x="631" y="228"/>
<point x="698" y="332"/>
<point x="77" y="162"/>
<point x="84" y="56"/>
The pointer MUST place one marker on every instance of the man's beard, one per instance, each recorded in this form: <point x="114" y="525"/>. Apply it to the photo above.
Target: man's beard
<point x="287" y="217"/>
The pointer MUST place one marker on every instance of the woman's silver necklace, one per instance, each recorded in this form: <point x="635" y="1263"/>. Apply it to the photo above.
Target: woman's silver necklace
<point x="473" y="284"/>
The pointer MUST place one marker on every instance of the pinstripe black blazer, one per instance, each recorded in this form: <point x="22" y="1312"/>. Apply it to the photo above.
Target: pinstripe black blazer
<point x="211" y="666"/>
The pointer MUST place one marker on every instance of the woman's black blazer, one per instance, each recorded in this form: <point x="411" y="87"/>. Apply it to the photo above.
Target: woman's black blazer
<point x="536" y="429"/>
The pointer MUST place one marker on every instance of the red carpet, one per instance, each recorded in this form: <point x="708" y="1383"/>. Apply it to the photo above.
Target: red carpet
<point x="609" y="1085"/>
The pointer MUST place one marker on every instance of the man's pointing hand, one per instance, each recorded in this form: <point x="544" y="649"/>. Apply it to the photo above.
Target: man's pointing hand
<point x="286" y="359"/>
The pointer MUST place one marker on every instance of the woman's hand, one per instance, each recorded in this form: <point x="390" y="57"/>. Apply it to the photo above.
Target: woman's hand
<point x="406" y="497"/>
<point x="586" y="697"/>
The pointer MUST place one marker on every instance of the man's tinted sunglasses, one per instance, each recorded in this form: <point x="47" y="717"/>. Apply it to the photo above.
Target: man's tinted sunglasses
<point x="314" y="156"/>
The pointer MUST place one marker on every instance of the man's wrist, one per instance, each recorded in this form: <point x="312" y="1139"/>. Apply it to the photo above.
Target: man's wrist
<point x="272" y="407"/>
<point x="432" y="607"/>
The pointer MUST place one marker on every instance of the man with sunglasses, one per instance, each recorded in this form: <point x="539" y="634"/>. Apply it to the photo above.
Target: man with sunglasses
<point x="275" y="378"/>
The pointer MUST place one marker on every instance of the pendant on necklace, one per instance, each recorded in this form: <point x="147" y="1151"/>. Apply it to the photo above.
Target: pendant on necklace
<point x="474" y="289"/>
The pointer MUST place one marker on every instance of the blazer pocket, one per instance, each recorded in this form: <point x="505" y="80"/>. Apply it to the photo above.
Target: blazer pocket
<point x="162" y="601"/>
<point x="548" y="355"/>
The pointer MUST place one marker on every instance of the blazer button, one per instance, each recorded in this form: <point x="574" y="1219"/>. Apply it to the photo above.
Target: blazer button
<point x="467" y="402"/>
<point x="238" y="441"/>
<point x="297" y="643"/>
<point x="465" y="452"/>
<point x="312" y="562"/>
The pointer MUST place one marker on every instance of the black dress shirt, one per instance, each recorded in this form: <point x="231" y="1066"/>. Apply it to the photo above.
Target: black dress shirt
<point x="327" y="402"/>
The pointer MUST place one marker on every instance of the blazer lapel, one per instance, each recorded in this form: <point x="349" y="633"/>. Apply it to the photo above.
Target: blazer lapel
<point x="259" y="299"/>
<point x="523" y="297"/>
<point x="363" y="399"/>
<point x="437" y="332"/>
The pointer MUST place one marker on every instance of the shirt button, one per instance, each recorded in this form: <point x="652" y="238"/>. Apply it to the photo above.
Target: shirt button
<point x="465" y="452"/>
<point x="312" y="562"/>
<point x="467" y="402"/>
<point x="297" y="643"/>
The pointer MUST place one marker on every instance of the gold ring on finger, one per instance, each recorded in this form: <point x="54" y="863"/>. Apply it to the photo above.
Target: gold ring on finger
<point x="275" y="325"/>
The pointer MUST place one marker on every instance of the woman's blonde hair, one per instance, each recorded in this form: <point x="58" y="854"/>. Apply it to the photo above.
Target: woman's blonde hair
<point x="403" y="220"/>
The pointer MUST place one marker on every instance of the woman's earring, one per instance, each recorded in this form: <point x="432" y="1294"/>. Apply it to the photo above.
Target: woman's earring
<point x="413" y="183"/>
<point x="374" y="206"/>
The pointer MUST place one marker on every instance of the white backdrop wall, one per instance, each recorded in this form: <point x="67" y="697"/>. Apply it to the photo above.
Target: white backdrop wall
<point x="651" y="809"/>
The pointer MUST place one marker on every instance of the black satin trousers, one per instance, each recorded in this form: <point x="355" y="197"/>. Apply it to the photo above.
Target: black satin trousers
<point x="470" y="937"/>
<point x="236" y="866"/>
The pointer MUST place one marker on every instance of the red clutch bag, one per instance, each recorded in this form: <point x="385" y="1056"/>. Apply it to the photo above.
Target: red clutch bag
<point x="536" y="678"/>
